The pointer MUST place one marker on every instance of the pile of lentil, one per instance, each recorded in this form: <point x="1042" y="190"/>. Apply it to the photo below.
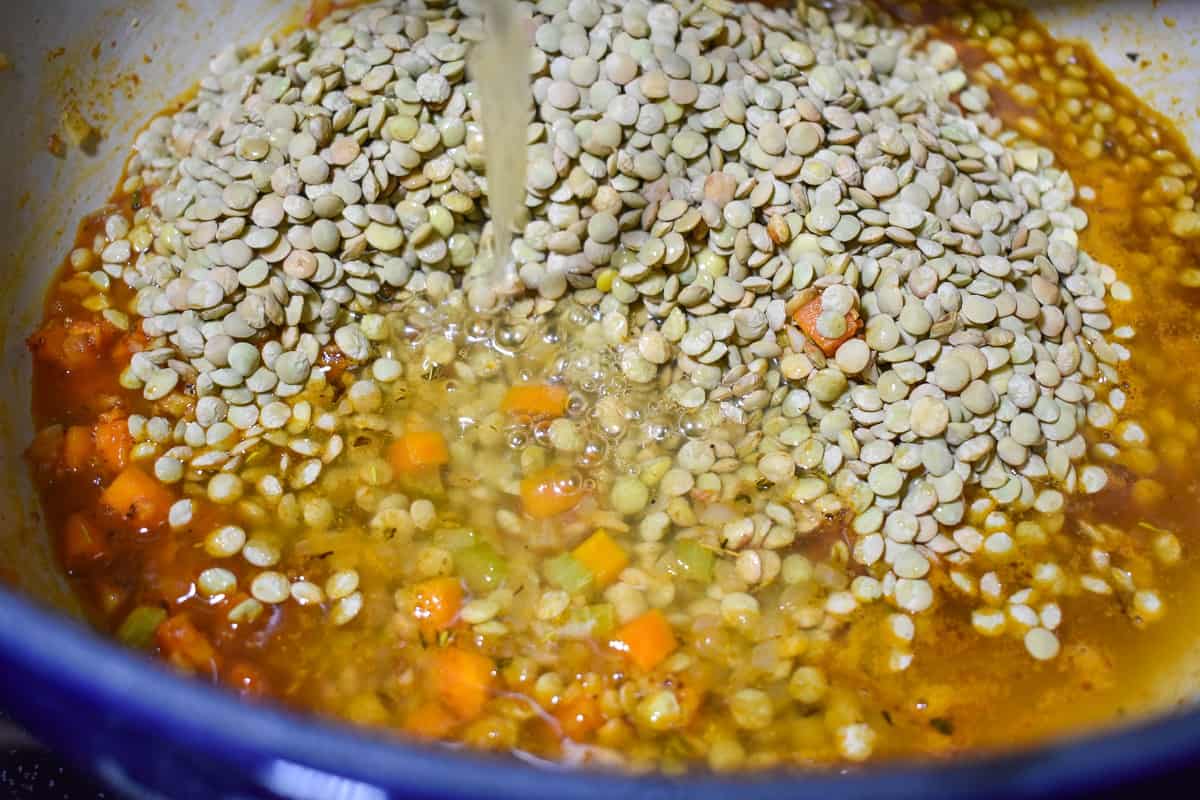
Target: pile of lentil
<point x="802" y="370"/>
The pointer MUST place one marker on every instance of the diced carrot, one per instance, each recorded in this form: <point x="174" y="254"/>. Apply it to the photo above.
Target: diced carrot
<point x="430" y="720"/>
<point x="83" y="542"/>
<point x="318" y="10"/>
<point x="47" y="341"/>
<point x="114" y="443"/>
<point x="579" y="716"/>
<point x="436" y="603"/>
<point x="138" y="498"/>
<point x="536" y="400"/>
<point x="462" y="679"/>
<point x="603" y="557"/>
<point x="247" y="680"/>
<point x="45" y="451"/>
<point x="135" y="341"/>
<point x="78" y="447"/>
<point x="805" y="318"/>
<point x="418" y="450"/>
<point x="183" y="645"/>
<point x="71" y="345"/>
<point x="647" y="639"/>
<point x="78" y="352"/>
<point x="549" y="492"/>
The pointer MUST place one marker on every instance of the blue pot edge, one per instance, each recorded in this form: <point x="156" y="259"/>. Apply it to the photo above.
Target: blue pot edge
<point x="211" y="720"/>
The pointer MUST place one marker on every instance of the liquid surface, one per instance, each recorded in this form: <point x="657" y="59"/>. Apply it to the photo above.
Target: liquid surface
<point x="490" y="448"/>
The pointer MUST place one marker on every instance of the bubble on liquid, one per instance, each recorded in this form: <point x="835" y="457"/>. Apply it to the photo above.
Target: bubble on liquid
<point x="541" y="432"/>
<point x="517" y="437"/>
<point x="612" y="429"/>
<point x="657" y="432"/>
<point x="578" y="316"/>
<point x="577" y="405"/>
<point x="691" y="426"/>
<point x="593" y="453"/>
<point x="582" y="366"/>
<point x="511" y="336"/>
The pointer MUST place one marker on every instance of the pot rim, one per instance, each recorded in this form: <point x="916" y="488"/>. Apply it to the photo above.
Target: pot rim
<point x="212" y="720"/>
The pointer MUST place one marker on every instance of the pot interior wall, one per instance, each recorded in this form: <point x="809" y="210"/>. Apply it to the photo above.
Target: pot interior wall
<point x="121" y="61"/>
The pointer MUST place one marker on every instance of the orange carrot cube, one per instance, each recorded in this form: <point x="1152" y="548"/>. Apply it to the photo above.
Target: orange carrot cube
<point x="536" y="400"/>
<point x="138" y="499"/>
<point x="114" y="443"/>
<point x="646" y="640"/>
<point x="83" y="542"/>
<point x="78" y="447"/>
<point x="806" y="316"/>
<point x="603" y="557"/>
<point x="436" y="603"/>
<point x="418" y="450"/>
<point x="549" y="492"/>
<point x="462" y="679"/>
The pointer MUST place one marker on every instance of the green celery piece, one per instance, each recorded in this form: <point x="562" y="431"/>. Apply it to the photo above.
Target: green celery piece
<point x="589" y="622"/>
<point x="455" y="538"/>
<point x="695" y="560"/>
<point x="138" y="628"/>
<point x="568" y="574"/>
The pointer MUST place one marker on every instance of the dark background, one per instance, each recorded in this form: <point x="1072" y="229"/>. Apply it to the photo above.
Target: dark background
<point x="30" y="772"/>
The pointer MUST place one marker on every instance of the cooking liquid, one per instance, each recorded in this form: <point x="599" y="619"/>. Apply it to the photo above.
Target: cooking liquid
<point x="500" y="65"/>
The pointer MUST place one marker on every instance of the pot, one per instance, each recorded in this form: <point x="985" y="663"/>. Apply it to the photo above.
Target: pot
<point x="151" y="734"/>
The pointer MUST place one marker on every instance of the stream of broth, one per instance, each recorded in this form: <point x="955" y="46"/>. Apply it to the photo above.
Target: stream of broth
<point x="500" y="66"/>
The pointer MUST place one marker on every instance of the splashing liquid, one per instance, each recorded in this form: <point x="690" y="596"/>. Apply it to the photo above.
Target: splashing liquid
<point x="500" y="64"/>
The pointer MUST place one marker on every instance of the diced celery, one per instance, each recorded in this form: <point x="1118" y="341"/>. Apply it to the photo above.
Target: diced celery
<point x="602" y="616"/>
<point x="568" y="574"/>
<point x="694" y="559"/>
<point x="138" y="628"/>
<point x="423" y="483"/>
<point x="455" y="538"/>
<point x="588" y="622"/>
<point x="481" y="567"/>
